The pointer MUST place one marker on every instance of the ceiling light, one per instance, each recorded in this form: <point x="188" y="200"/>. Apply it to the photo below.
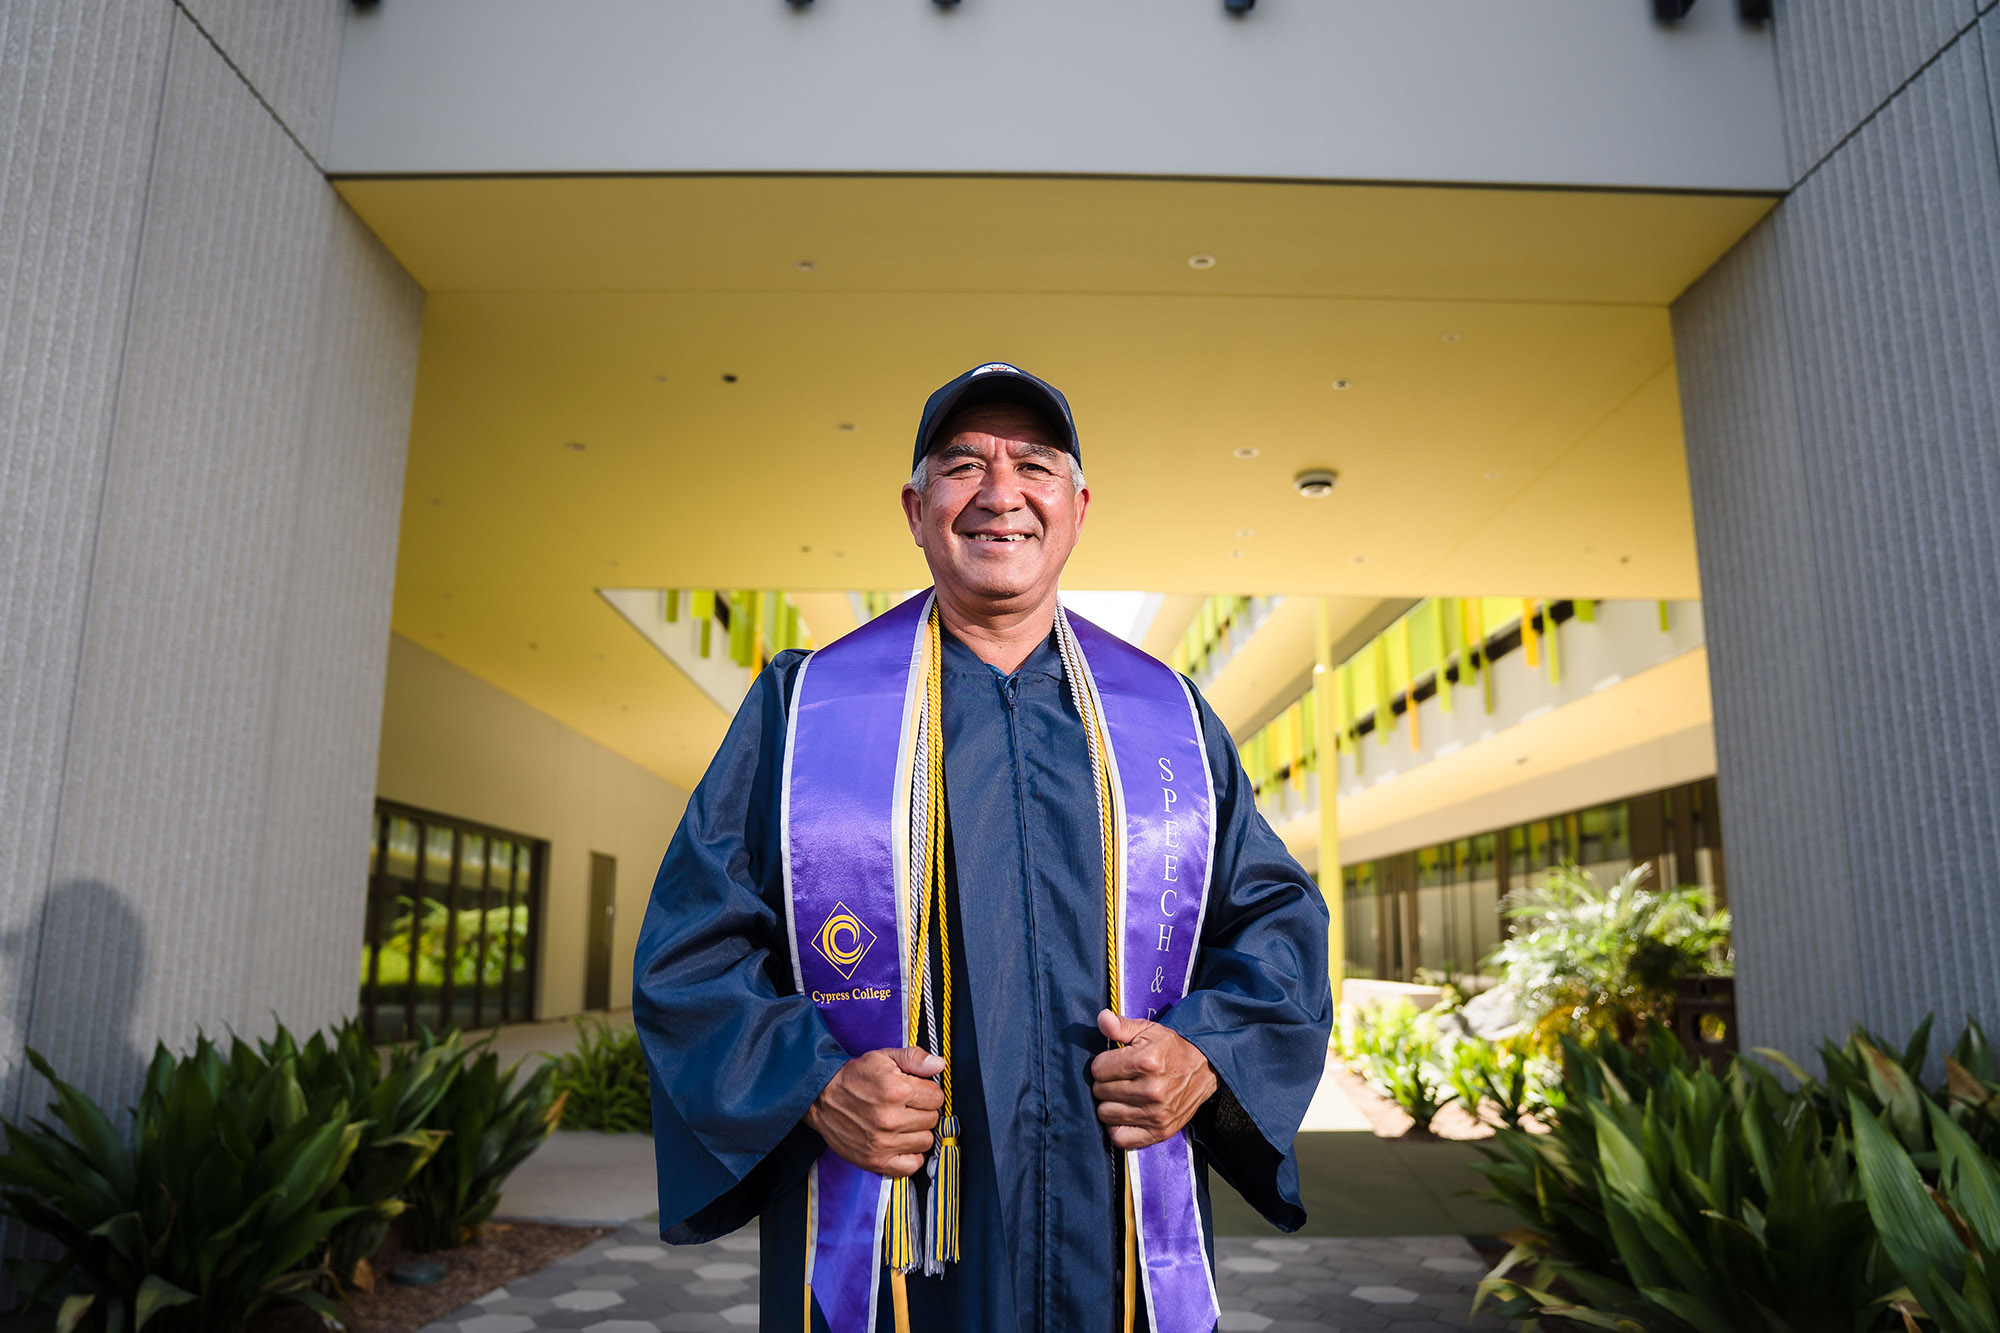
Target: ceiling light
<point x="1343" y="384"/>
<point x="1493" y="476"/>
<point x="728" y="378"/>
<point x="1315" y="482"/>
<point x="1245" y="451"/>
<point x="1246" y="532"/>
<point x="1236" y="555"/>
<point x="805" y="266"/>
<point x="847" y="426"/>
<point x="659" y="379"/>
<point x="1201" y="261"/>
<point x="1451" y="337"/>
<point x="1357" y="559"/>
<point x="576" y="446"/>
<point x="435" y="502"/>
<point x="1520" y="759"/>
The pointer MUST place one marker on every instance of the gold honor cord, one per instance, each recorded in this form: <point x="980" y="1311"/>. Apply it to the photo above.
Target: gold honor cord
<point x="909" y="1251"/>
<point x="1100" y="770"/>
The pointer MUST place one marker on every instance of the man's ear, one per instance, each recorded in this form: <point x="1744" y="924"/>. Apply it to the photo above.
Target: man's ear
<point x="913" y="511"/>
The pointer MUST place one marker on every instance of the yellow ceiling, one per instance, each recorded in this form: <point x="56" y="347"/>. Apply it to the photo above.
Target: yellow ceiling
<point x="1511" y="426"/>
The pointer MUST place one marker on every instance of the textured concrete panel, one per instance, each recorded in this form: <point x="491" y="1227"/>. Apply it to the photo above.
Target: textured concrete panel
<point x="1770" y="664"/>
<point x="1839" y="60"/>
<point x="158" y="874"/>
<point x="79" y="98"/>
<point x="289" y="52"/>
<point x="327" y="723"/>
<point x="1891" y="256"/>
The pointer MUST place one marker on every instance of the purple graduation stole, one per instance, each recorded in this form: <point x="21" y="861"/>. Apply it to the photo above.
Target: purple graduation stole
<point x="848" y="860"/>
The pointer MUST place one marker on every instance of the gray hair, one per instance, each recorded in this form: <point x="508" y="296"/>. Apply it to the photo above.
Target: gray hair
<point x="920" y="480"/>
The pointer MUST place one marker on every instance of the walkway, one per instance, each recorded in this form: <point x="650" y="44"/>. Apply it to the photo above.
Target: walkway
<point x="630" y="1283"/>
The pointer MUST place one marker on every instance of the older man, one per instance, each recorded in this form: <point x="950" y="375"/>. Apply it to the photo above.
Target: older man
<point x="972" y="955"/>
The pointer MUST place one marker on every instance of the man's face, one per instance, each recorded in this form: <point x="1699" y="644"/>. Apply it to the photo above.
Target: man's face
<point x="1000" y="514"/>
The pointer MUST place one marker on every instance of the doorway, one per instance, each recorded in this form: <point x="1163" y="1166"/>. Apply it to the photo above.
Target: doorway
<point x="603" y="916"/>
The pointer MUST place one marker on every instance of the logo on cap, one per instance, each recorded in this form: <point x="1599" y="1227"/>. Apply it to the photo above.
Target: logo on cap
<point x="996" y="365"/>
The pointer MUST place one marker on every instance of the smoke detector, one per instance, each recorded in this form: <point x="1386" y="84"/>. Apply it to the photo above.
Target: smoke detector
<point x="1315" y="482"/>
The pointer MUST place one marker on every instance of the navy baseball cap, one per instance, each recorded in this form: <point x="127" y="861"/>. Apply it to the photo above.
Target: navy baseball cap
<point x="997" y="382"/>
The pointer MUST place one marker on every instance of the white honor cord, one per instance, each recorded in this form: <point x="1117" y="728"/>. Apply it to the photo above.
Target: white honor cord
<point x="1072" y="656"/>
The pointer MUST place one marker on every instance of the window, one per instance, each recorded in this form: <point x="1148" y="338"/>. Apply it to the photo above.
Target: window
<point x="451" y="928"/>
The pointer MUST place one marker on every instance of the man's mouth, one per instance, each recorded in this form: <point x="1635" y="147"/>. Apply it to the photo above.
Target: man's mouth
<point x="998" y="536"/>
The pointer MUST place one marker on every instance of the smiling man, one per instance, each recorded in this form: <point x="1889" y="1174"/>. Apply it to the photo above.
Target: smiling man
<point x="972" y="957"/>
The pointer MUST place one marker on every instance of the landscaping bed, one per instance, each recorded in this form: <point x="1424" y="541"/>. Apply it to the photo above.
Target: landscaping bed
<point x="504" y="1251"/>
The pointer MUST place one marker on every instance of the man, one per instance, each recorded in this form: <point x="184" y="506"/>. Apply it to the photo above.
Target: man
<point x="972" y="955"/>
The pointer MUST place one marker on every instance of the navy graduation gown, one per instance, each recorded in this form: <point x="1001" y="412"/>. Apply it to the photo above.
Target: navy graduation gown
<point x="737" y="1055"/>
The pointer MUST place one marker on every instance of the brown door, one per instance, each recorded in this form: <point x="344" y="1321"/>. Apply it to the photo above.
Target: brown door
<point x="603" y="916"/>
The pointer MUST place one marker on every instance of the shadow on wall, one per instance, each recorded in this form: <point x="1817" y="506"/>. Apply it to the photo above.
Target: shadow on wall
<point x="84" y="957"/>
<point x="83" y="963"/>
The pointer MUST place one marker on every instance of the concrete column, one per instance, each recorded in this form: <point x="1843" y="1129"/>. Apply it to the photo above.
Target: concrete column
<point x="1840" y="380"/>
<point x="210" y="368"/>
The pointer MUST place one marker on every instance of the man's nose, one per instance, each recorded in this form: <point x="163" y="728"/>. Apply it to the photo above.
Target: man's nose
<point x="1000" y="490"/>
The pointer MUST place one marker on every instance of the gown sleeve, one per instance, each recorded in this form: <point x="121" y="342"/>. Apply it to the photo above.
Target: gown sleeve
<point x="736" y="1055"/>
<point x="1260" y="1005"/>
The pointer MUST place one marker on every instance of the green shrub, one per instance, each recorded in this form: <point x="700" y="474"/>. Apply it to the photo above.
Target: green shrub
<point x="212" y="1204"/>
<point x="604" y="1081"/>
<point x="495" y="1121"/>
<point x="1396" y="1049"/>
<point x="395" y="1145"/>
<point x="1944" y="1242"/>
<point x="1504" y="1075"/>
<point x="1586" y="956"/>
<point x="1674" y="1199"/>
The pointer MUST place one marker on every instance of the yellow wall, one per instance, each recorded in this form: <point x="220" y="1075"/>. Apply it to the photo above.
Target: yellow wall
<point x="457" y="745"/>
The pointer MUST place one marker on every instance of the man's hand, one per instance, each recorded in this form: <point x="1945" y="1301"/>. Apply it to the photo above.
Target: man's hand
<point x="880" y="1111"/>
<point x="1149" y="1088"/>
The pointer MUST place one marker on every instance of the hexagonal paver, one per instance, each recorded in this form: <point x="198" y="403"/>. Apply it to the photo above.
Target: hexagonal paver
<point x="714" y="1287"/>
<point x="1242" y="1321"/>
<point x="586" y="1300"/>
<point x="636" y="1254"/>
<point x="727" y="1272"/>
<point x="1244" y="1263"/>
<point x="744" y="1315"/>
<point x="497" y="1323"/>
<point x="739" y="1244"/>
<point x="689" y="1321"/>
<point x="1455" y="1265"/>
<point x="1283" y="1246"/>
<point x="606" y="1282"/>
<point x="1385" y="1295"/>
<point x="621" y="1326"/>
<point x="497" y="1294"/>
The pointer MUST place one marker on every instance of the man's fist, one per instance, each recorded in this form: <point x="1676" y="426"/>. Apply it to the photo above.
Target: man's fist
<point x="1150" y="1087"/>
<point x="880" y="1111"/>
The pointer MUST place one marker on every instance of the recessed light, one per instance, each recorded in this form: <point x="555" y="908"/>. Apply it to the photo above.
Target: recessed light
<point x="534" y="647"/>
<point x="1316" y="483"/>
<point x="1492" y="476"/>
<point x="1357" y="559"/>
<point x="434" y="502"/>
<point x="728" y="378"/>
<point x="659" y="379"/>
<point x="576" y="446"/>
<point x="1201" y="261"/>
<point x="1236" y="555"/>
<point x="1624" y="559"/>
<point x="805" y="550"/>
<point x="1520" y="759"/>
<point x="612" y="563"/>
<point x="847" y="426"/>
<point x="1246" y="532"/>
<point x="805" y="266"/>
<point x="1451" y="337"/>
<point x="1245" y="451"/>
<point x="1343" y="384"/>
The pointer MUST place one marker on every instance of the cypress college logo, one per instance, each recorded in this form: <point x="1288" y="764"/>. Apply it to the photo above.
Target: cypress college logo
<point x="843" y="941"/>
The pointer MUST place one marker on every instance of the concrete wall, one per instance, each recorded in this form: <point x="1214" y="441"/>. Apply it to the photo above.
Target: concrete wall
<point x="454" y="744"/>
<point x="1582" y="92"/>
<point x="208" y="368"/>
<point x="1840" y="379"/>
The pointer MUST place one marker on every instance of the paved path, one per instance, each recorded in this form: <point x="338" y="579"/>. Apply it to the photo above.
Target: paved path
<point x="630" y="1283"/>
